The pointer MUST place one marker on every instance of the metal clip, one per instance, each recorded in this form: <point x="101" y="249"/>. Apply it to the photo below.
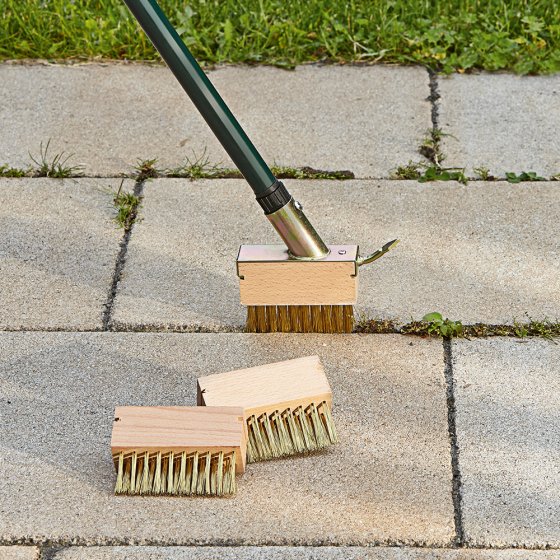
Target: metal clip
<point x="377" y="254"/>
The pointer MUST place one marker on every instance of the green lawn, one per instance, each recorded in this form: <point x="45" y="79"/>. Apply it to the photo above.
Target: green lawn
<point x="453" y="35"/>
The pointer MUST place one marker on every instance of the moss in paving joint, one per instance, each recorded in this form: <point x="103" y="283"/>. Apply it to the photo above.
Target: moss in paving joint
<point x="444" y="328"/>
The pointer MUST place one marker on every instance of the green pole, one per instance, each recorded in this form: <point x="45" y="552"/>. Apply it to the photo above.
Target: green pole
<point x="203" y="94"/>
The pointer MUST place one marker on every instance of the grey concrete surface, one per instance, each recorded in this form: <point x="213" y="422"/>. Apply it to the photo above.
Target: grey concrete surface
<point x="58" y="248"/>
<point x="296" y="553"/>
<point x="19" y="553"/>
<point x="484" y="252"/>
<point x="366" y="119"/>
<point x="389" y="479"/>
<point x="508" y="431"/>
<point x="501" y="121"/>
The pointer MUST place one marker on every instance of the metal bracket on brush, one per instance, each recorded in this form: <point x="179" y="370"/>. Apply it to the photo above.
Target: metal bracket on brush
<point x="366" y="259"/>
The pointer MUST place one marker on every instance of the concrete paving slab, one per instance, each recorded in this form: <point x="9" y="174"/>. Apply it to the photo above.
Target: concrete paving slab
<point x="389" y="480"/>
<point x="483" y="252"/>
<point x="502" y="122"/>
<point x="19" y="553"/>
<point x="58" y="248"/>
<point x="295" y="553"/>
<point x="366" y="119"/>
<point x="508" y="431"/>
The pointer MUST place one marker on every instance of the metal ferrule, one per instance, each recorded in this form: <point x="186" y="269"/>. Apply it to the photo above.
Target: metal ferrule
<point x="298" y="234"/>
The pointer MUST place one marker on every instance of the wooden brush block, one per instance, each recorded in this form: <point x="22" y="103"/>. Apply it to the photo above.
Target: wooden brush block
<point x="180" y="428"/>
<point x="268" y="276"/>
<point x="268" y="388"/>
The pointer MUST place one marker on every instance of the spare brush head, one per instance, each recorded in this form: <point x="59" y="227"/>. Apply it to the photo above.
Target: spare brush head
<point x="286" y="405"/>
<point x="178" y="451"/>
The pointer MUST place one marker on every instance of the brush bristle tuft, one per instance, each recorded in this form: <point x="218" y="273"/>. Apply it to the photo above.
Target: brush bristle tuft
<point x="175" y="474"/>
<point x="300" y="318"/>
<point x="301" y="430"/>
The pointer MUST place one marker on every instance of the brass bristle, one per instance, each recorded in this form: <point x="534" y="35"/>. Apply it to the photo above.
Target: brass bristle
<point x="172" y="474"/>
<point x="290" y="432"/>
<point x="300" y="318"/>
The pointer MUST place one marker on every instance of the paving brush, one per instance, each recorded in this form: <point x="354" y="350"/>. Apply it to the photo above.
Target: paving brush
<point x="286" y="406"/>
<point x="304" y="286"/>
<point x="178" y="450"/>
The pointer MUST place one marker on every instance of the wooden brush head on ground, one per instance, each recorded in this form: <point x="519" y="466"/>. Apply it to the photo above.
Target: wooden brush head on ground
<point x="287" y="405"/>
<point x="178" y="450"/>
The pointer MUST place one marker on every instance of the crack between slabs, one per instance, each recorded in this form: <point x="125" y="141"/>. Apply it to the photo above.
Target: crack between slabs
<point x="459" y="540"/>
<point x="120" y="262"/>
<point x="434" y="97"/>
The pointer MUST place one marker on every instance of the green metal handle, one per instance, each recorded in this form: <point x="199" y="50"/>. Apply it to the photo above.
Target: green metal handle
<point x="203" y="94"/>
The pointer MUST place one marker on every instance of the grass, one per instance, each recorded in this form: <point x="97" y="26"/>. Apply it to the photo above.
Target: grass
<point x="200" y="167"/>
<point x="126" y="205"/>
<point x="7" y="171"/>
<point x="458" y="35"/>
<point x="55" y="166"/>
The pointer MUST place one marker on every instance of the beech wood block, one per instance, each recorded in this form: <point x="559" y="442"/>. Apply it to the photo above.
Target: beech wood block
<point x="180" y="428"/>
<point x="267" y="388"/>
<point x="268" y="276"/>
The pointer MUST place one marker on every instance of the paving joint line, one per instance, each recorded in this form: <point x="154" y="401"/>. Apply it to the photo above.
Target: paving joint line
<point x="459" y="540"/>
<point x="120" y="262"/>
<point x="434" y="98"/>
<point x="48" y="549"/>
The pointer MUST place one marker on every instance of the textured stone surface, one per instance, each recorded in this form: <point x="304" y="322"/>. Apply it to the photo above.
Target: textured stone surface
<point x="58" y="248"/>
<point x="508" y="428"/>
<point x="388" y="480"/>
<point x="19" y="553"/>
<point x="296" y="553"/>
<point x="367" y="119"/>
<point x="501" y="121"/>
<point x="483" y="252"/>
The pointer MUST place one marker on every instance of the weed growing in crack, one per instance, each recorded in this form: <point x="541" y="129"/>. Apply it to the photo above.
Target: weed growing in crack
<point x="409" y="171"/>
<point x="55" y="166"/>
<point x="7" y="171"/>
<point x="439" y="326"/>
<point x="305" y="172"/>
<point x="483" y="173"/>
<point x="545" y="329"/>
<point x="200" y="167"/>
<point x="127" y="205"/>
<point x="374" y="326"/>
<point x="524" y="176"/>
<point x="430" y="147"/>
<point x="146" y="169"/>
<point x="436" y="173"/>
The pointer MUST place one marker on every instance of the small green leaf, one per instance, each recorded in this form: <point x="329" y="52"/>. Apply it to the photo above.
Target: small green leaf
<point x="432" y="317"/>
